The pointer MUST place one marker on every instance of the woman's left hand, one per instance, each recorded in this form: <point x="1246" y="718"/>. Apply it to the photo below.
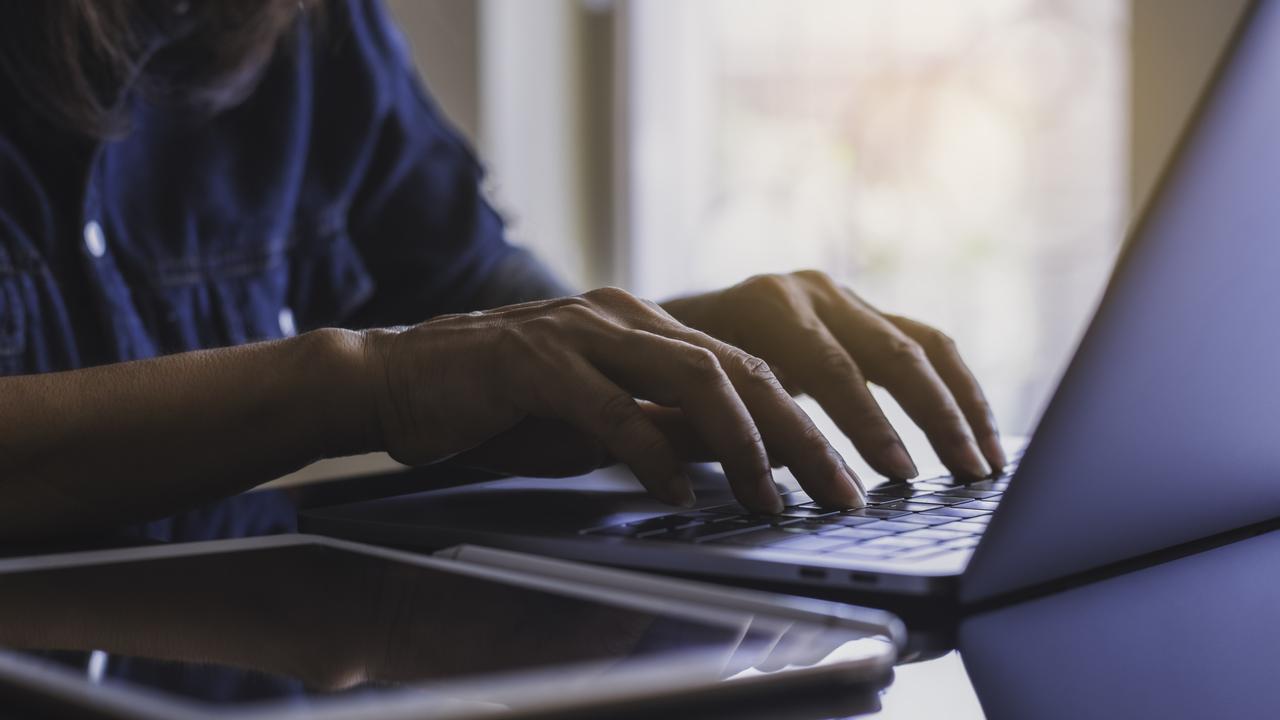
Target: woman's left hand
<point x="823" y="340"/>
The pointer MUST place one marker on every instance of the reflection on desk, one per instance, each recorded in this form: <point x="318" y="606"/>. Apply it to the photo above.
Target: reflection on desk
<point x="305" y="621"/>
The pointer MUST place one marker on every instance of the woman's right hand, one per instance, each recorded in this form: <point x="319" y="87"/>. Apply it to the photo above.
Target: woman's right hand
<point x="446" y="386"/>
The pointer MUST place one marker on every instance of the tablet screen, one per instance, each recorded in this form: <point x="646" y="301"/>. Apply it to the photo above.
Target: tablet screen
<point x="302" y="622"/>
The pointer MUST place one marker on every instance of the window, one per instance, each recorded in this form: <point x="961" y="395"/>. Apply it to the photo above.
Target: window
<point x="962" y="163"/>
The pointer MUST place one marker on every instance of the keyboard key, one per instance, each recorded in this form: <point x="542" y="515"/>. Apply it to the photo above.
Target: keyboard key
<point x="775" y="520"/>
<point x="932" y="487"/>
<point x="938" y="500"/>
<point x="899" y="541"/>
<point x="942" y="481"/>
<point x="701" y="533"/>
<point x="792" y="499"/>
<point x="895" y="491"/>
<point x="919" y="519"/>
<point x="956" y="512"/>
<point x="810" y="543"/>
<point x="861" y="533"/>
<point x="730" y="509"/>
<point x="968" y="493"/>
<point x="750" y="521"/>
<point x="703" y="515"/>
<point x="907" y="506"/>
<point x="878" y="513"/>
<point x="757" y="538"/>
<point x="879" y="500"/>
<point x="665" y="522"/>
<point x="961" y="543"/>
<point x="814" y="526"/>
<point x="937" y="534"/>
<point x="843" y="520"/>
<point x="969" y="526"/>
<point x="800" y="511"/>
<point x="979" y="505"/>
<point x="890" y="526"/>
<point x="984" y="519"/>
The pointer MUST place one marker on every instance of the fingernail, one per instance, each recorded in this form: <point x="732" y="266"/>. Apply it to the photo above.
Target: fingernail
<point x="900" y="463"/>
<point x="994" y="452"/>
<point x="680" y="492"/>
<point x="688" y="499"/>
<point x="854" y="495"/>
<point x="972" y="462"/>
<point x="769" y="497"/>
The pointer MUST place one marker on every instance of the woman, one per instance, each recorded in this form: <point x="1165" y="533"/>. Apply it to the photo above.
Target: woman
<point x="267" y="177"/>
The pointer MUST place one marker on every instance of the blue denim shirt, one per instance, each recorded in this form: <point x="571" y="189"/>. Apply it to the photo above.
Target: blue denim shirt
<point x="335" y="194"/>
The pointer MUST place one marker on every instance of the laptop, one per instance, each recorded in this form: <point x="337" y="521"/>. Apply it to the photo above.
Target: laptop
<point x="1164" y="430"/>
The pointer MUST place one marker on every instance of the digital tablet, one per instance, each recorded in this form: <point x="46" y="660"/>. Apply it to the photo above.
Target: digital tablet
<point x="308" y="627"/>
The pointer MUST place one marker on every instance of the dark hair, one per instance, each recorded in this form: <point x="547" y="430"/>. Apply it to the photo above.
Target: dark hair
<point x="72" y="61"/>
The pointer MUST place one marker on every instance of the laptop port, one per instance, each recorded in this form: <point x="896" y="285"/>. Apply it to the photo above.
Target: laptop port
<point x="861" y="578"/>
<point x="813" y="573"/>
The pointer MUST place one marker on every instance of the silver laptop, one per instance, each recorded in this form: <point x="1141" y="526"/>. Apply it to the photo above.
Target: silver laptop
<point x="1164" y="431"/>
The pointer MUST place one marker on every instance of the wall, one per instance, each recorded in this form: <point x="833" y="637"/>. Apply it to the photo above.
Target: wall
<point x="1176" y="44"/>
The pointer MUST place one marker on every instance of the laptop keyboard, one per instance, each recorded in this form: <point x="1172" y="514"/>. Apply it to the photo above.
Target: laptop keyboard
<point x="901" y="522"/>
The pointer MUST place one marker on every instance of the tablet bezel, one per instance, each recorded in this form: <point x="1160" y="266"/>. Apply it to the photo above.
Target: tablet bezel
<point x="655" y="681"/>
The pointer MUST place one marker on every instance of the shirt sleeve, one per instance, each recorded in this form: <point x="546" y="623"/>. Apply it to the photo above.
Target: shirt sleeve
<point x="418" y="216"/>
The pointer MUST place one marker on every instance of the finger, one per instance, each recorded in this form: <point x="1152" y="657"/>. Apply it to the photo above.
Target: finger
<point x="597" y="406"/>
<point x="788" y="432"/>
<point x="891" y="359"/>
<point x="683" y="436"/>
<point x="942" y="352"/>
<point x="676" y="373"/>
<point x="832" y="378"/>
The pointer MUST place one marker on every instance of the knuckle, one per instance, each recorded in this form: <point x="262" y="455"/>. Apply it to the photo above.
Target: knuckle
<point x="577" y="314"/>
<point x="834" y="362"/>
<point x="810" y="434"/>
<point x="704" y="363"/>
<point x="903" y="351"/>
<point x="610" y="295"/>
<point x="816" y="278"/>
<point x="941" y="341"/>
<point x="749" y="443"/>
<point x="757" y="369"/>
<point x="770" y="284"/>
<point x="572" y="301"/>
<point x="535" y="329"/>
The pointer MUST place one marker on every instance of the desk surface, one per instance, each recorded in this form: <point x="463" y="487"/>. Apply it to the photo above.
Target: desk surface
<point x="1193" y="637"/>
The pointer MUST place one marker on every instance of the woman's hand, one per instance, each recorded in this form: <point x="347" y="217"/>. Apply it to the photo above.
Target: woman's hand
<point x="825" y="341"/>
<point x="448" y="385"/>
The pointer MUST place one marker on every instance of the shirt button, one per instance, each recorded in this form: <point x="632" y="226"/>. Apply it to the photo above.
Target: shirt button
<point x="94" y="240"/>
<point x="287" y="326"/>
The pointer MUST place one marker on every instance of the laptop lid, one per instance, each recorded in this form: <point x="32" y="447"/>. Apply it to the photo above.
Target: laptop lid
<point x="1166" y="427"/>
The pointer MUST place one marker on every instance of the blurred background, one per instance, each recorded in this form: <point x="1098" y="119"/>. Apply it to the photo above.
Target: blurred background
<point x="972" y="164"/>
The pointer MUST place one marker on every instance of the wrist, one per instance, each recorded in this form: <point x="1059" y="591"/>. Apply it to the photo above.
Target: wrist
<point x="342" y="376"/>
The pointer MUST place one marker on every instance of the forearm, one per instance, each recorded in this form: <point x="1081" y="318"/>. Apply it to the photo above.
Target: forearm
<point x="120" y="443"/>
